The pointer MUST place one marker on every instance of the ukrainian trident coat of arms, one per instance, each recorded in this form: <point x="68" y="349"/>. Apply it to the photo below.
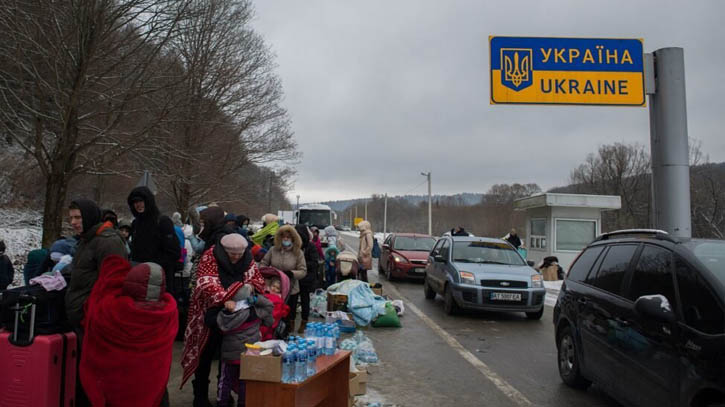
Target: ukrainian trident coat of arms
<point x="517" y="68"/>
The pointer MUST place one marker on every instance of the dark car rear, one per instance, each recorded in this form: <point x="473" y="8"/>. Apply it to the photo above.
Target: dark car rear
<point x="642" y="315"/>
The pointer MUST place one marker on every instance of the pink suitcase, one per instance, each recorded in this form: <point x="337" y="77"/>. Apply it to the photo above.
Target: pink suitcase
<point x="37" y="371"/>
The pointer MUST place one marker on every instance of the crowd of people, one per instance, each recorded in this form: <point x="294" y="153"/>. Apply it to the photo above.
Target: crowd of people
<point x="133" y="287"/>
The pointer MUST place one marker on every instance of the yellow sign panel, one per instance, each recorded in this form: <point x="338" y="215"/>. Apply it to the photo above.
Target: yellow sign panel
<point x="567" y="71"/>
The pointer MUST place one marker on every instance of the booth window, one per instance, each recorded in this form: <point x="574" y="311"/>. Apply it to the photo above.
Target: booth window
<point x="574" y="235"/>
<point x="538" y="234"/>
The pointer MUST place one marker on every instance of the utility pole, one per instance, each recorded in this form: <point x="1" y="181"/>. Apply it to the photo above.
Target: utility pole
<point x="366" y="209"/>
<point x="669" y="144"/>
<point x="298" y="202"/>
<point x="430" y="204"/>
<point x="385" y="216"/>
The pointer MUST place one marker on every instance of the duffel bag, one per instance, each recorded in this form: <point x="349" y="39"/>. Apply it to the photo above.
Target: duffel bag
<point x="50" y="316"/>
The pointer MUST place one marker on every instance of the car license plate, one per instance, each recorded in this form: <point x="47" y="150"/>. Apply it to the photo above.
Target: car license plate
<point x="506" y="296"/>
<point x="419" y="271"/>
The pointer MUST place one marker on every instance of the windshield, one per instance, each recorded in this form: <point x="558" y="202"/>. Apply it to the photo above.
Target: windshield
<point x="486" y="252"/>
<point x="712" y="254"/>
<point x="414" y="244"/>
<point x="319" y="218"/>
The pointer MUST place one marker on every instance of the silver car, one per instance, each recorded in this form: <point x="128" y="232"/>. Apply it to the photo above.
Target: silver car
<point x="483" y="274"/>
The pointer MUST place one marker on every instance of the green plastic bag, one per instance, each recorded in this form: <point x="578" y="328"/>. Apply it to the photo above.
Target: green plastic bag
<point x="389" y="319"/>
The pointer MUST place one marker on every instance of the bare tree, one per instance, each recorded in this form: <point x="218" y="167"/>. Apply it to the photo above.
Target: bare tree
<point x="230" y="115"/>
<point x="618" y="169"/>
<point x="76" y="84"/>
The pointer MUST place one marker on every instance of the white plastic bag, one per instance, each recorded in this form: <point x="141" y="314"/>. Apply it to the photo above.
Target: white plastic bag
<point x="399" y="307"/>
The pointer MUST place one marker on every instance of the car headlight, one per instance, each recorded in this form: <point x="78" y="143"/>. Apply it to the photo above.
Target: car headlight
<point x="400" y="259"/>
<point x="537" y="281"/>
<point x="467" y="277"/>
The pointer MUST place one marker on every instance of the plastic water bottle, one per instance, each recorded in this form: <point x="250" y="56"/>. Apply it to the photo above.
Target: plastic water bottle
<point x="329" y="342"/>
<point x="320" y="338"/>
<point x="301" y="365"/>
<point x="311" y="358"/>
<point x="308" y="331"/>
<point x="288" y="364"/>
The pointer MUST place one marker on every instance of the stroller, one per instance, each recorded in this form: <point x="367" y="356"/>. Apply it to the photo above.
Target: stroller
<point x="346" y="266"/>
<point x="270" y="272"/>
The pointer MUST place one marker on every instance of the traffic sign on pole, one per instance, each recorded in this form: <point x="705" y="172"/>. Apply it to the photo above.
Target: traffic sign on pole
<point x="585" y="71"/>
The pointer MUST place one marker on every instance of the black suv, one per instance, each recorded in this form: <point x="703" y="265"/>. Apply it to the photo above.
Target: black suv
<point x="642" y="314"/>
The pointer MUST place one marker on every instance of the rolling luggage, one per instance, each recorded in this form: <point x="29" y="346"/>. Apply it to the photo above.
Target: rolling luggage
<point x="37" y="371"/>
<point x="50" y="316"/>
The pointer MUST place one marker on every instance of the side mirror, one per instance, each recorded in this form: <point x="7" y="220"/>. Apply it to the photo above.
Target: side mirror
<point x="655" y="307"/>
<point x="530" y="263"/>
<point x="439" y="259"/>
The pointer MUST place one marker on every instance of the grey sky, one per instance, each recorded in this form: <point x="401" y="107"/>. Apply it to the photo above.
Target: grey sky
<point x="379" y="91"/>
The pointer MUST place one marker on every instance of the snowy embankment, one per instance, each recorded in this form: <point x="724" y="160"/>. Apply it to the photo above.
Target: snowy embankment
<point x="21" y="230"/>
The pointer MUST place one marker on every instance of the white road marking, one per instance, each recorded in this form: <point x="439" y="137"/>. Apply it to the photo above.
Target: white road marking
<point x="507" y="389"/>
<point x="503" y="386"/>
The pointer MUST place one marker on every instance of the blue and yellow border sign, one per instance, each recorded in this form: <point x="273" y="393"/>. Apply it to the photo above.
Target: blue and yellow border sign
<point x="574" y="71"/>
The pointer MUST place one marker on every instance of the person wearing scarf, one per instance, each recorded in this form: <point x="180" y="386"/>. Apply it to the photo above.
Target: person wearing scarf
<point x="223" y="270"/>
<point x="130" y="323"/>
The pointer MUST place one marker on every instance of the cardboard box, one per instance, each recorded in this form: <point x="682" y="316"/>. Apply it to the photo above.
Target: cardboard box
<point x="363" y="381"/>
<point x="330" y="317"/>
<point x="261" y="368"/>
<point x="358" y="383"/>
<point x="336" y="302"/>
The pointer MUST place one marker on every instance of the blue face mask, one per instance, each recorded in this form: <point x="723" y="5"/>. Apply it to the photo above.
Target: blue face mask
<point x="287" y="243"/>
<point x="245" y="230"/>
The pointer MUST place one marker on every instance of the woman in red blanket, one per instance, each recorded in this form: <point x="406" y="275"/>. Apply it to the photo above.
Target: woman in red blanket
<point x="130" y="323"/>
<point x="223" y="269"/>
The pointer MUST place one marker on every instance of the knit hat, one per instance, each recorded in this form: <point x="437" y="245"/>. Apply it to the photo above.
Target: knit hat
<point x="230" y="218"/>
<point x="64" y="246"/>
<point x="234" y="243"/>
<point x="145" y="283"/>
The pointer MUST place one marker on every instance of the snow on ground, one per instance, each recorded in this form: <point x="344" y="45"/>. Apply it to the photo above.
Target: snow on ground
<point x="21" y="230"/>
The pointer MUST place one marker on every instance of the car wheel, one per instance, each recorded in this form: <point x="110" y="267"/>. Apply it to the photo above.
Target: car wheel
<point x="449" y="304"/>
<point x="535" y="315"/>
<point x="429" y="292"/>
<point x="569" y="361"/>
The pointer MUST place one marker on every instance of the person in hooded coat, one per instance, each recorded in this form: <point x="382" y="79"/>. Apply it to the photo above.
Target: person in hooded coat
<point x="365" y="251"/>
<point x="129" y="326"/>
<point x="96" y="241"/>
<point x="287" y="255"/>
<point x="243" y="223"/>
<point x="223" y="269"/>
<point x="153" y="238"/>
<point x="308" y="284"/>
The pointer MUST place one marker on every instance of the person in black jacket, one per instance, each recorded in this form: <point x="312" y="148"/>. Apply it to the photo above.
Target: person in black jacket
<point x="514" y="239"/>
<point x="309" y="282"/>
<point x="7" y="272"/>
<point x="153" y="239"/>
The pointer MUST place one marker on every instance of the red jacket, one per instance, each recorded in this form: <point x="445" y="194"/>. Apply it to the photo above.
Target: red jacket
<point x="280" y="311"/>
<point x="127" y="348"/>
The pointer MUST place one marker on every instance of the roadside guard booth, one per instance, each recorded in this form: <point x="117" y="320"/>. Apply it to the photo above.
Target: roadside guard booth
<point x="562" y="225"/>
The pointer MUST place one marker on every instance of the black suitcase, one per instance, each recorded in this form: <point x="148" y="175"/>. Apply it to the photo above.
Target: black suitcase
<point x="50" y="316"/>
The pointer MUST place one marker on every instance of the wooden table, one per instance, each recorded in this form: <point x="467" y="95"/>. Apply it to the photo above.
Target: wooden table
<point x="328" y="388"/>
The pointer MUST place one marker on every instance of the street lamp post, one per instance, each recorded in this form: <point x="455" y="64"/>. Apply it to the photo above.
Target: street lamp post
<point x="430" y="205"/>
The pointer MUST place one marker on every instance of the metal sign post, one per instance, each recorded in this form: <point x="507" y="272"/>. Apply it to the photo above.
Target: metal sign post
<point x="669" y="144"/>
